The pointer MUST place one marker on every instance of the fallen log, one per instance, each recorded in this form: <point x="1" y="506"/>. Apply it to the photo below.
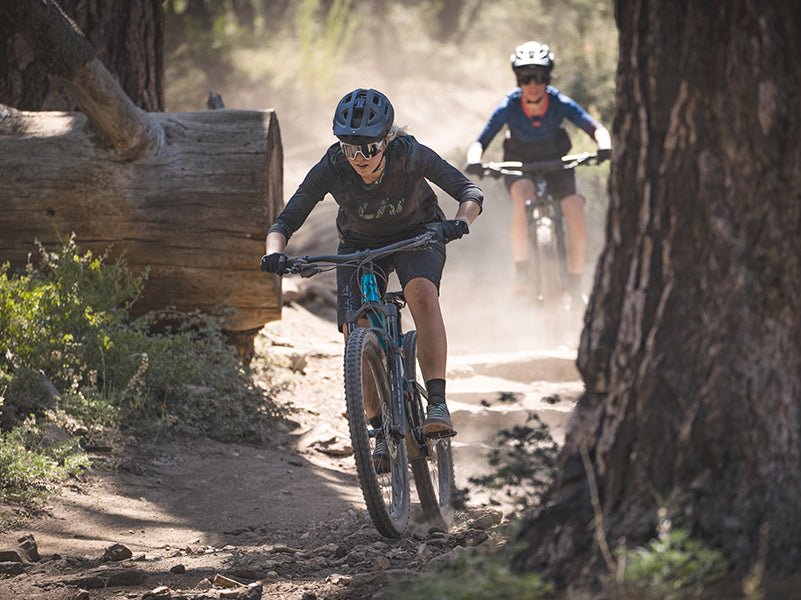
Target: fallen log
<point x="187" y="196"/>
<point x="194" y="213"/>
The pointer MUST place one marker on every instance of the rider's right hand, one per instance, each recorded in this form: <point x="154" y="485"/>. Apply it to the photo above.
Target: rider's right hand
<point x="603" y="154"/>
<point x="452" y="229"/>
<point x="274" y="263"/>
<point x="474" y="169"/>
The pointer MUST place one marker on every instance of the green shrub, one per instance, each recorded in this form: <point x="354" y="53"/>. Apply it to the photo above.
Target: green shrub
<point x="474" y="577"/>
<point x="68" y="318"/>
<point x="673" y="566"/>
<point x="70" y="351"/>
<point x="29" y="470"/>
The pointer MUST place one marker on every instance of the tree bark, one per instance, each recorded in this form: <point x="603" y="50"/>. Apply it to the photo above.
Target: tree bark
<point x="194" y="215"/>
<point x="690" y="351"/>
<point x="126" y="35"/>
<point x="62" y="47"/>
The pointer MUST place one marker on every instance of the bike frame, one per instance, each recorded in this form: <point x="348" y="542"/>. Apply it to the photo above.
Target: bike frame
<point x="376" y="342"/>
<point x="546" y="211"/>
<point x="384" y="318"/>
<point x="383" y="315"/>
<point x="544" y="207"/>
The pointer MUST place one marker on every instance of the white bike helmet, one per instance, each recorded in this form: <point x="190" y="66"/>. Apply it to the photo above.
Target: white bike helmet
<point x="532" y="55"/>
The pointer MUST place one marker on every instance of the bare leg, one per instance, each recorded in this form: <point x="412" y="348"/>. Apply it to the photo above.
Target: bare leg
<point x="521" y="190"/>
<point x="573" y="210"/>
<point x="432" y="345"/>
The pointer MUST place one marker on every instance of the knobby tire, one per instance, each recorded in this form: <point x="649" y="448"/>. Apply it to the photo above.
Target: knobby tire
<point x="433" y="473"/>
<point x="386" y="495"/>
<point x="548" y="260"/>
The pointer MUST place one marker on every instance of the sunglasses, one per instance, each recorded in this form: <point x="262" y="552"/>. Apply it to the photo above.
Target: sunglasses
<point x="367" y="150"/>
<point x="526" y="78"/>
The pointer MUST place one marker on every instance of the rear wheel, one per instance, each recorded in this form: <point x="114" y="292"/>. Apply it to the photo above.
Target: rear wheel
<point x="367" y="392"/>
<point x="431" y="458"/>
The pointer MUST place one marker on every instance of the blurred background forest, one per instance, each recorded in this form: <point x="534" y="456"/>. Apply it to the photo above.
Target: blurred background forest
<point x="443" y="63"/>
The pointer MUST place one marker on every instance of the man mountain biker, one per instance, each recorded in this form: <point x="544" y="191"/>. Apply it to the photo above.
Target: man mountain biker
<point x="377" y="175"/>
<point x="534" y="113"/>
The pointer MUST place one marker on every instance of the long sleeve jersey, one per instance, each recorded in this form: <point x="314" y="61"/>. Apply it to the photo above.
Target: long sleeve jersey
<point x="543" y="135"/>
<point x="371" y="216"/>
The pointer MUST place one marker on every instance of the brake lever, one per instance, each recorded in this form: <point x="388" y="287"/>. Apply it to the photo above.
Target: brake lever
<point x="308" y="271"/>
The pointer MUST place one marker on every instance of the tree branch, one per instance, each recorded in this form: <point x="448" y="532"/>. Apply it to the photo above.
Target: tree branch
<point x="59" y="44"/>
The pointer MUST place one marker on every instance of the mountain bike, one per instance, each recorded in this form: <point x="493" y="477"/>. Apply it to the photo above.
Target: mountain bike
<point x="381" y="379"/>
<point x="546" y="227"/>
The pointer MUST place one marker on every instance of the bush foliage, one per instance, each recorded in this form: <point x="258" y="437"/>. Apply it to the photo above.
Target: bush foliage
<point x="673" y="566"/>
<point x="72" y="355"/>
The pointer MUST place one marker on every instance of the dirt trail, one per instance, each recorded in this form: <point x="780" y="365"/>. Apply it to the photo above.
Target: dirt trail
<point x="288" y="515"/>
<point x="288" y="518"/>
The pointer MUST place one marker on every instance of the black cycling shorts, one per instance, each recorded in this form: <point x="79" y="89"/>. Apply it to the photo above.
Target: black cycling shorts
<point x="427" y="263"/>
<point x="561" y="183"/>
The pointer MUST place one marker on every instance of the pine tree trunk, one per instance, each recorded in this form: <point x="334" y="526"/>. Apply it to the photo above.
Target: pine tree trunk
<point x="691" y="351"/>
<point x="128" y="37"/>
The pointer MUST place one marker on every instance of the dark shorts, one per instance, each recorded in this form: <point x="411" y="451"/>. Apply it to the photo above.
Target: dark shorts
<point x="560" y="183"/>
<point x="407" y="265"/>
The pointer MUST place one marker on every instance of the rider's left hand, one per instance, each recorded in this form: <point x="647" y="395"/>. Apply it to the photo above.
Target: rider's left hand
<point x="452" y="230"/>
<point x="274" y="263"/>
<point x="476" y="169"/>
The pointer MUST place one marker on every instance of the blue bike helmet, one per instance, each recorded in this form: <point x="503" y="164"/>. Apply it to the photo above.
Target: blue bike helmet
<point x="532" y="55"/>
<point x="363" y="116"/>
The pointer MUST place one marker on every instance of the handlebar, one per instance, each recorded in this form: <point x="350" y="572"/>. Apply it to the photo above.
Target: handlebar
<point x="307" y="266"/>
<point x="513" y="167"/>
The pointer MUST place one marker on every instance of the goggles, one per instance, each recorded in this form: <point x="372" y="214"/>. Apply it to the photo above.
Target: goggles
<point x="535" y="76"/>
<point x="368" y="150"/>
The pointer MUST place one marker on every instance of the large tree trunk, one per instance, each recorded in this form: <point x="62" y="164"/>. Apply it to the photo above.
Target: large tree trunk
<point x="691" y="350"/>
<point x="128" y="37"/>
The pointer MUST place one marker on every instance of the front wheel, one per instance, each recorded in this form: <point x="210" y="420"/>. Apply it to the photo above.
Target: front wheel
<point x="367" y="396"/>
<point x="432" y="458"/>
<point x="547" y="257"/>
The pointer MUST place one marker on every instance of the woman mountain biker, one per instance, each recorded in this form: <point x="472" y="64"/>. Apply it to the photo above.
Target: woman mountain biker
<point x="377" y="175"/>
<point x="533" y="113"/>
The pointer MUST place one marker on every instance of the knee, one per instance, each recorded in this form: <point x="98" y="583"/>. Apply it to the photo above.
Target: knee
<point x="521" y="190"/>
<point x="421" y="292"/>
<point x="573" y="209"/>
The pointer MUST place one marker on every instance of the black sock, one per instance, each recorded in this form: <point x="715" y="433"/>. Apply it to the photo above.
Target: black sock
<point x="436" y="390"/>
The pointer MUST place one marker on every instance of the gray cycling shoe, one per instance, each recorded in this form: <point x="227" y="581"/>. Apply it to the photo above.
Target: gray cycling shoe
<point x="381" y="462"/>
<point x="438" y="419"/>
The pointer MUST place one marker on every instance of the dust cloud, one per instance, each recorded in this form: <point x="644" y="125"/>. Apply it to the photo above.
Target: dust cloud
<point x="498" y="344"/>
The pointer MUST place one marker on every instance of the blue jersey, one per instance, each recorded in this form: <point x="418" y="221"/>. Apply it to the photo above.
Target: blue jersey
<point x="536" y="137"/>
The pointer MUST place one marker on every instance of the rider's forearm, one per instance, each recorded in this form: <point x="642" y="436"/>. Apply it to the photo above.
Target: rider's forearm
<point x="276" y="242"/>
<point x="468" y="211"/>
